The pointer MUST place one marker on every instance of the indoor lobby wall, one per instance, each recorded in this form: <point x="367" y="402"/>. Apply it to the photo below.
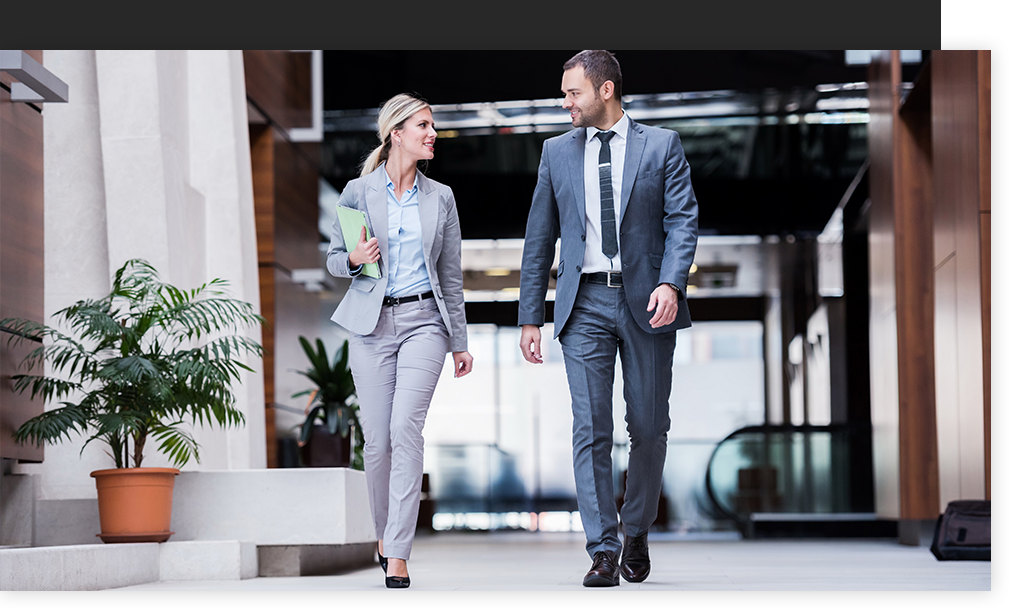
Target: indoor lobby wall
<point x="961" y="131"/>
<point x="21" y="291"/>
<point x="149" y="159"/>
<point x="21" y="252"/>
<point x="286" y="185"/>
<point x="930" y="252"/>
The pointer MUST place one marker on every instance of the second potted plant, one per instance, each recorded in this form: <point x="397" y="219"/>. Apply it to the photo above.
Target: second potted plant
<point x="333" y="405"/>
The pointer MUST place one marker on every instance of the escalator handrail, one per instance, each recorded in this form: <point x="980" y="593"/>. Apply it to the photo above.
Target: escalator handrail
<point x="765" y="429"/>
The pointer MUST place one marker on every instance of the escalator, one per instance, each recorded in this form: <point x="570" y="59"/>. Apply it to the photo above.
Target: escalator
<point x="794" y="481"/>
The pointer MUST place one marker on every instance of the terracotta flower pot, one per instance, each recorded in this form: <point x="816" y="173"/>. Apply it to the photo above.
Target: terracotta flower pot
<point x="135" y="504"/>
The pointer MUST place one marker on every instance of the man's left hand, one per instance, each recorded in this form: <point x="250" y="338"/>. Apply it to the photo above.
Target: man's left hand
<point x="664" y="302"/>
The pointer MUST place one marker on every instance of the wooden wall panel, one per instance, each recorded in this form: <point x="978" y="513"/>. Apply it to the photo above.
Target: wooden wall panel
<point x="22" y="262"/>
<point x="286" y="193"/>
<point x="901" y="296"/>
<point x="298" y="89"/>
<point x="957" y="126"/>
<point x="280" y="84"/>
<point x="296" y="222"/>
<point x="22" y="267"/>
<point x="261" y="142"/>
<point x="986" y="336"/>
<point x="947" y="374"/>
<point x="913" y="248"/>
<point x="263" y="189"/>
<point x="883" y="99"/>
<point x="267" y="283"/>
<point x="984" y="185"/>
<point x="984" y="128"/>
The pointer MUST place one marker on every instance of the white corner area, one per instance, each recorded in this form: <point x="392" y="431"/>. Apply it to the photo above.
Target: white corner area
<point x="274" y="507"/>
<point x="229" y="525"/>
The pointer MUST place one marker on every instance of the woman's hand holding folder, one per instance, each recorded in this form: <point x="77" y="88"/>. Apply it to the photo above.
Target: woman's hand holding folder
<point x="366" y="251"/>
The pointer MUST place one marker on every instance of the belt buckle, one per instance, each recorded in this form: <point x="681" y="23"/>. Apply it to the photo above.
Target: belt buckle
<point x="609" y="274"/>
<point x="394" y="301"/>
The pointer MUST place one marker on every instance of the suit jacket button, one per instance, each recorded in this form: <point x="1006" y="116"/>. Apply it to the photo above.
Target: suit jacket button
<point x="578" y="269"/>
<point x="583" y="237"/>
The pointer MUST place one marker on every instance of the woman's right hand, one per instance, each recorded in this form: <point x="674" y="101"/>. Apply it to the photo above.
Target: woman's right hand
<point x="366" y="250"/>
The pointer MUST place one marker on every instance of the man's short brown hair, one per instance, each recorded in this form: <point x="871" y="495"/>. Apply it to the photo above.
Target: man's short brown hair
<point x="599" y="67"/>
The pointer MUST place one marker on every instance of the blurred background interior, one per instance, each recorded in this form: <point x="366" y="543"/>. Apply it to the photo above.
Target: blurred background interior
<point x="836" y="380"/>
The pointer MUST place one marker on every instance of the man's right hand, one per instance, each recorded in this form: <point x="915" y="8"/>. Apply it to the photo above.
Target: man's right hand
<point x="366" y="250"/>
<point x="530" y="344"/>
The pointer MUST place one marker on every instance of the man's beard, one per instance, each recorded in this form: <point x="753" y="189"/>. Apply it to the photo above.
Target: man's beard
<point x="590" y="114"/>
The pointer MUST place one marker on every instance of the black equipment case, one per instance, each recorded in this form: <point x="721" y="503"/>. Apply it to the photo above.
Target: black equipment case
<point x="963" y="532"/>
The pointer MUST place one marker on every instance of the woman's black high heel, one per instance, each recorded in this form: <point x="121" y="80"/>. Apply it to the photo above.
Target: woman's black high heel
<point x="393" y="581"/>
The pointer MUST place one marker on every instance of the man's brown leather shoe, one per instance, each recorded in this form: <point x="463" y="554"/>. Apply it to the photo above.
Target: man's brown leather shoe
<point x="603" y="572"/>
<point x="634" y="563"/>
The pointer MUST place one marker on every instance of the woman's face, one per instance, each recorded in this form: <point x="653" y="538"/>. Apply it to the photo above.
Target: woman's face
<point x="417" y="135"/>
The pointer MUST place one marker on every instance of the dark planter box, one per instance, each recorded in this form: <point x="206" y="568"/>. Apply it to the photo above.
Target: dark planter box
<point x="326" y="450"/>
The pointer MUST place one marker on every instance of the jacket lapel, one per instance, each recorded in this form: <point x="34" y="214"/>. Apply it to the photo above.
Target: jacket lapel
<point x="378" y="212"/>
<point x="632" y="158"/>
<point x="576" y="169"/>
<point x="427" y="200"/>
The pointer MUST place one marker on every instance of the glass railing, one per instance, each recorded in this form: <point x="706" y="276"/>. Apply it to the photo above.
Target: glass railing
<point x="785" y="469"/>
<point x="484" y="478"/>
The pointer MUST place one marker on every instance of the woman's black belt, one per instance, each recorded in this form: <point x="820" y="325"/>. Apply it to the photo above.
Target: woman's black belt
<point x="390" y="301"/>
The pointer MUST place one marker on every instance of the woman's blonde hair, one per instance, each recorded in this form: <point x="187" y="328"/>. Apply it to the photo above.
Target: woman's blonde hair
<point x="393" y="114"/>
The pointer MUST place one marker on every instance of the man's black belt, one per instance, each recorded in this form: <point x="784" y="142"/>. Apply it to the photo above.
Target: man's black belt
<point x="389" y="301"/>
<point x="611" y="279"/>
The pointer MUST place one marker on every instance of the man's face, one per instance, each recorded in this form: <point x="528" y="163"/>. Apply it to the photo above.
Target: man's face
<point x="581" y="99"/>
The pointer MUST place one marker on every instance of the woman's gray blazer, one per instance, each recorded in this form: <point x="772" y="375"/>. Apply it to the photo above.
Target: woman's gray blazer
<point x="439" y="222"/>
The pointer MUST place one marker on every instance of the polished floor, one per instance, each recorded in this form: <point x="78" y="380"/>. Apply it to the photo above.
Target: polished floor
<point x="556" y="562"/>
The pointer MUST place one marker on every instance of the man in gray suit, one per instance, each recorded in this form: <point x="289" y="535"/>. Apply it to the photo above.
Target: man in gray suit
<point x="618" y="195"/>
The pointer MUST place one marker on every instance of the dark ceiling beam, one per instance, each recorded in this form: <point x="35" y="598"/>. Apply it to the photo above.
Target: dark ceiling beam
<point x="364" y="79"/>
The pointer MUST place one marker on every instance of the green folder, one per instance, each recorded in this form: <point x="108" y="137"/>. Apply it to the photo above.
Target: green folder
<point x="351" y="221"/>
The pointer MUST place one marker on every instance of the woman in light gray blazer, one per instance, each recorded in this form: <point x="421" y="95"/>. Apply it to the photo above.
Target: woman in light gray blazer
<point x="405" y="320"/>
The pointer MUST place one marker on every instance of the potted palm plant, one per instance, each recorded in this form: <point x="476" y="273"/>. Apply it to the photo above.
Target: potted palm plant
<point x="140" y="363"/>
<point x="333" y="403"/>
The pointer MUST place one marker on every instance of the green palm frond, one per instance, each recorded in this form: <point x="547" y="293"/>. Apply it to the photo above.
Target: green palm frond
<point x="136" y="358"/>
<point x="20" y="330"/>
<point x="92" y="320"/>
<point x="318" y="358"/>
<point x="126" y="421"/>
<point x="48" y="388"/>
<point x="134" y="369"/>
<point x="177" y="444"/>
<point x="335" y="399"/>
<point x="53" y="426"/>
<point x="62" y="354"/>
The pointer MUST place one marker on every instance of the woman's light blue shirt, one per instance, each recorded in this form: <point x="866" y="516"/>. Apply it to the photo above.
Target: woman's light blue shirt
<point x="405" y="259"/>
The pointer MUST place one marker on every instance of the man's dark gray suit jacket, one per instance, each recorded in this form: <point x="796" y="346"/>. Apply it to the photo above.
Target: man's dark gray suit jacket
<point x="657" y="232"/>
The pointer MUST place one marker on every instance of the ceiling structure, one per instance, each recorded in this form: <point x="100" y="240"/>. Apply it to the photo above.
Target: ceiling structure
<point x="773" y="138"/>
<point x="364" y="79"/>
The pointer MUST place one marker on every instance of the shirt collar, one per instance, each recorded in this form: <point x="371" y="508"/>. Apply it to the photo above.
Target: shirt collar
<point x="620" y="128"/>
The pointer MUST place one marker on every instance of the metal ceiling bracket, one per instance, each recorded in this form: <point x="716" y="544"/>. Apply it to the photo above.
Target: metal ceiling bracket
<point x="36" y="84"/>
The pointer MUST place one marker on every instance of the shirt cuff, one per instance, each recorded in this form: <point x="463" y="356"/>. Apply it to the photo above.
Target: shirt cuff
<point x="354" y="271"/>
